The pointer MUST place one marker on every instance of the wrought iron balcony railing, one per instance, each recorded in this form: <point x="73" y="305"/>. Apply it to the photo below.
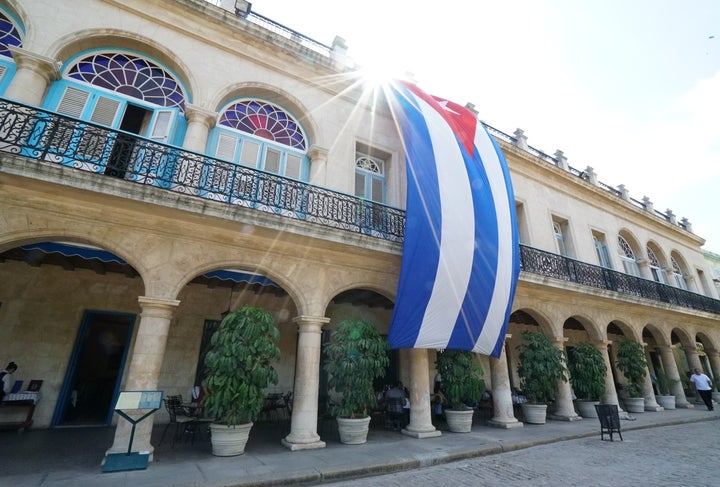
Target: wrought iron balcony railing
<point x="554" y="265"/>
<point x="53" y="138"/>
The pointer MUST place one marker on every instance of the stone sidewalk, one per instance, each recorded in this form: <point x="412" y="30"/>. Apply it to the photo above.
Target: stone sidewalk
<point x="71" y="457"/>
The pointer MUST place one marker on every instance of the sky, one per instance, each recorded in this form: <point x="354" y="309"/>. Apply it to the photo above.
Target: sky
<point x="628" y="87"/>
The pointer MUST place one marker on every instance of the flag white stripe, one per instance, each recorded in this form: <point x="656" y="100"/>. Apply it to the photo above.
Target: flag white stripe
<point x="503" y="277"/>
<point x="457" y="240"/>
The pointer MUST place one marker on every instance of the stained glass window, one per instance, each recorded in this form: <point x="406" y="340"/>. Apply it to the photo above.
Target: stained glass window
<point x="129" y="75"/>
<point x="9" y="36"/>
<point x="264" y="120"/>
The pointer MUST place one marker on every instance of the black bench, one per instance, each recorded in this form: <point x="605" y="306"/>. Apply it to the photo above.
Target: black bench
<point x="609" y="420"/>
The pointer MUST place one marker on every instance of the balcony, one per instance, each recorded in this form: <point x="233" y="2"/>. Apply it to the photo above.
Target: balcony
<point x="55" y="139"/>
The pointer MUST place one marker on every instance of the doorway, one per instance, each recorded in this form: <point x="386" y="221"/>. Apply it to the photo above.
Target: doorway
<point x="134" y="121"/>
<point x="94" y="374"/>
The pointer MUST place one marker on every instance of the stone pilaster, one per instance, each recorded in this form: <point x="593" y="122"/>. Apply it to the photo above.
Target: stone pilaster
<point x="611" y="396"/>
<point x="714" y="357"/>
<point x="564" y="407"/>
<point x="303" y="429"/>
<point x="199" y="123"/>
<point x="420" y="408"/>
<point x="32" y="78"/>
<point x="145" y="364"/>
<point x="318" y="165"/>
<point x="671" y="370"/>
<point x="503" y="413"/>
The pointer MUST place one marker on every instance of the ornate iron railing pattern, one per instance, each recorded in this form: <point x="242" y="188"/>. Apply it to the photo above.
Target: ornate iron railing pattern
<point x="44" y="136"/>
<point x="553" y="265"/>
<point x="57" y="139"/>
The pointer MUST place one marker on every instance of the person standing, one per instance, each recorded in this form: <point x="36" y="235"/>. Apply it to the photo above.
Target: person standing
<point x="6" y="381"/>
<point x="703" y="386"/>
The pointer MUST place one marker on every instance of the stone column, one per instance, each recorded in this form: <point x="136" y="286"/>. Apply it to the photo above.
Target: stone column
<point x="649" y="393"/>
<point x="303" y="429"/>
<point x="693" y="359"/>
<point x="714" y="357"/>
<point x="420" y="408"/>
<point x="33" y="76"/>
<point x="503" y="413"/>
<point x="200" y="121"/>
<point x="145" y="364"/>
<point x="671" y="370"/>
<point x="611" y="396"/>
<point x="564" y="407"/>
<point x="318" y="165"/>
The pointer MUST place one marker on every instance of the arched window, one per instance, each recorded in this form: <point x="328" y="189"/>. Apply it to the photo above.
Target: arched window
<point x="369" y="177"/>
<point x="10" y="35"/>
<point x="678" y="274"/>
<point x="654" y="265"/>
<point x="260" y="134"/>
<point x="121" y="91"/>
<point x="627" y="256"/>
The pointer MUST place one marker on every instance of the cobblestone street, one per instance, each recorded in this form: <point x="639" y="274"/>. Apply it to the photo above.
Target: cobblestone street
<point x="667" y="456"/>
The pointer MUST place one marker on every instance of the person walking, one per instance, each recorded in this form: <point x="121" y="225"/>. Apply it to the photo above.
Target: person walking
<point x="703" y="386"/>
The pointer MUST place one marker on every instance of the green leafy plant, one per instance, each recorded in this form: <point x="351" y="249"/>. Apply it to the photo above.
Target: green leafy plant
<point x="462" y="377"/>
<point x="664" y="383"/>
<point x="633" y="365"/>
<point x="587" y="372"/>
<point x="541" y="368"/>
<point x="356" y="355"/>
<point x="239" y="363"/>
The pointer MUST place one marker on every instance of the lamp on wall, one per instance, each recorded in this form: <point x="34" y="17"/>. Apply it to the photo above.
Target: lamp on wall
<point x="242" y="7"/>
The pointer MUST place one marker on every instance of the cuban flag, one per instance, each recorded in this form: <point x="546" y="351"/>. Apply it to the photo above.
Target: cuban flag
<point x="460" y="261"/>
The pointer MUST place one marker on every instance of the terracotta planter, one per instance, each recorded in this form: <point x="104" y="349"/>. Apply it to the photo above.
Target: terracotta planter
<point x="459" y="421"/>
<point x="667" y="402"/>
<point x="534" y="413"/>
<point x="587" y="408"/>
<point x="353" y="431"/>
<point x="635" y="404"/>
<point x="229" y="441"/>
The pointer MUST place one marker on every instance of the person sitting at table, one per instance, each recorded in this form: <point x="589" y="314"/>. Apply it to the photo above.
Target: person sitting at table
<point x="6" y="378"/>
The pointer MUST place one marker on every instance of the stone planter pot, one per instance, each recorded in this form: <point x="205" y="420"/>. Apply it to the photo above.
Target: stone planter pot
<point x="353" y="431"/>
<point x="586" y="409"/>
<point x="459" y="421"/>
<point x="534" y="413"/>
<point x="667" y="402"/>
<point x="229" y="441"/>
<point x="635" y="404"/>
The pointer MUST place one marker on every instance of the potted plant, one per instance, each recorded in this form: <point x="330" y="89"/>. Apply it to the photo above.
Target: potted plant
<point x="587" y="377"/>
<point x="633" y="365"/>
<point x="664" y="397"/>
<point x="239" y="368"/>
<point x="541" y="368"/>
<point x="463" y="385"/>
<point x="356" y="355"/>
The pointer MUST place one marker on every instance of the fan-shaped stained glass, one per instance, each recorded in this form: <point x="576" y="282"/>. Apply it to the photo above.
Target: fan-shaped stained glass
<point x="265" y="120"/>
<point x="9" y="36"/>
<point x="129" y="75"/>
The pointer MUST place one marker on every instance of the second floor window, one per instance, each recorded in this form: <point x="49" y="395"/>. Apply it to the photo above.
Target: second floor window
<point x="602" y="252"/>
<point x="259" y="134"/>
<point x="561" y="238"/>
<point x="678" y="274"/>
<point x="654" y="265"/>
<point x="369" y="177"/>
<point x="627" y="256"/>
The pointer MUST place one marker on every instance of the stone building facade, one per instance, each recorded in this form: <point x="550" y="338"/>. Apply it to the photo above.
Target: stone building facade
<point x="164" y="162"/>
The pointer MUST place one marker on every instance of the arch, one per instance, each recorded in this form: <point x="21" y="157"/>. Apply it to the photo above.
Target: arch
<point x="707" y="342"/>
<point x="275" y="95"/>
<point x="71" y="44"/>
<point x="619" y="327"/>
<point x="679" y="269"/>
<point x="12" y="32"/>
<point x="661" y="337"/>
<point x="591" y="328"/>
<point x="678" y="335"/>
<point x="530" y="316"/>
<point x="657" y="262"/>
<point x="629" y="251"/>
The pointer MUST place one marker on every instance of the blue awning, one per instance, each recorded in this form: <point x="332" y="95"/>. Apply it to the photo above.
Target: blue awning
<point x="89" y="253"/>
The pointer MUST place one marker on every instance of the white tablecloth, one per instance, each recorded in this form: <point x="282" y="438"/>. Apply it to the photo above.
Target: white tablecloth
<point x="22" y="396"/>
